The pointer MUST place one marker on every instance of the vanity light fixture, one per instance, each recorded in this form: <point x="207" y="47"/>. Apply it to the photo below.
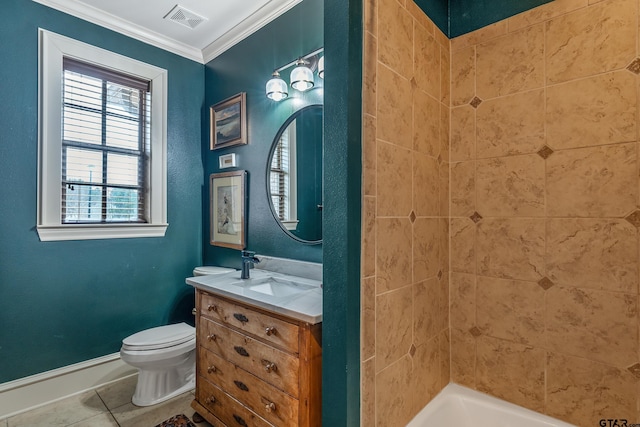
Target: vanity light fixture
<point x="321" y="68"/>
<point x="301" y="76"/>
<point x="276" y="88"/>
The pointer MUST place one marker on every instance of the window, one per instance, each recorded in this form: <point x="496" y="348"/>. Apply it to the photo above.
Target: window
<point x="102" y="157"/>
<point x="283" y="178"/>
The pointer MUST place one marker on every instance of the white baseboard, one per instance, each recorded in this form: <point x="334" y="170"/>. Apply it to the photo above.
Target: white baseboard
<point x="30" y="392"/>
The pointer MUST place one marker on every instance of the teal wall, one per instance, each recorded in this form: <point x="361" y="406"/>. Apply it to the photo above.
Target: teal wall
<point x="457" y="17"/>
<point x="66" y="302"/>
<point x="246" y="67"/>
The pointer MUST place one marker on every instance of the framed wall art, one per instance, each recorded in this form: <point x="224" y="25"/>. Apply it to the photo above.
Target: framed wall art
<point x="228" y="206"/>
<point x="228" y="121"/>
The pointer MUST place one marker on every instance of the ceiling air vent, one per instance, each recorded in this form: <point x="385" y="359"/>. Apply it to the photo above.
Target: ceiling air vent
<point x="184" y="17"/>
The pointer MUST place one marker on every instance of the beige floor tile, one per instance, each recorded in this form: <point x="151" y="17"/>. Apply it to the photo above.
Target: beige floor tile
<point x="130" y="415"/>
<point x="63" y="413"/>
<point x="102" y="420"/>
<point x="118" y="393"/>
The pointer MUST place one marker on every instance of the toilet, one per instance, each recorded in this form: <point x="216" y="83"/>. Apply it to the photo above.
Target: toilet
<point x="164" y="356"/>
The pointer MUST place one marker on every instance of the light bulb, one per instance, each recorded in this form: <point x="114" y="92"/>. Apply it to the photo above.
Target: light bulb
<point x="276" y="88"/>
<point x="321" y="68"/>
<point x="301" y="76"/>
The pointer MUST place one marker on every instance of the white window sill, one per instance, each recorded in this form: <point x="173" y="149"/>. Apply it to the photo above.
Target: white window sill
<point x="101" y="231"/>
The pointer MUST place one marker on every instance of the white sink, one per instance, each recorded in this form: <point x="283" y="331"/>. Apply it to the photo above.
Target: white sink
<point x="274" y="286"/>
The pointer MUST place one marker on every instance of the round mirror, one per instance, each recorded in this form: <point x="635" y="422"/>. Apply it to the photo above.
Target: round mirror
<point x="294" y="175"/>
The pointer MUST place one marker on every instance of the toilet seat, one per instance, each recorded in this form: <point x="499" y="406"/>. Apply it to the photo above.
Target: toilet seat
<point x="160" y="337"/>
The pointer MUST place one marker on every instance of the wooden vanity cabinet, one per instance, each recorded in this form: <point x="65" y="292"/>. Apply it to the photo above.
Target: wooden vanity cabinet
<point x="254" y="367"/>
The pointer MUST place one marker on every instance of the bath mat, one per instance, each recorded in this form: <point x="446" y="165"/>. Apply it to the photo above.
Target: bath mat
<point x="177" y="421"/>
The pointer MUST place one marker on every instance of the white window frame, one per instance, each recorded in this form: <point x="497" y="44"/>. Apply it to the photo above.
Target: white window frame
<point x="52" y="48"/>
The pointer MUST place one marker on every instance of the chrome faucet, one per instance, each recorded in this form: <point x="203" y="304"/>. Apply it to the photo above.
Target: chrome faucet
<point x="248" y="260"/>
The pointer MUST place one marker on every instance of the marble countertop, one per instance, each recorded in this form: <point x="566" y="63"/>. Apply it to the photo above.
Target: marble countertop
<point x="301" y="299"/>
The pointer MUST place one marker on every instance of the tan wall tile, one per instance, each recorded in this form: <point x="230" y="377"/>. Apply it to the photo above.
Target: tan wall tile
<point x="463" y="76"/>
<point x="395" y="37"/>
<point x="544" y="13"/>
<point x="445" y="132"/>
<point x="371" y="16"/>
<point x="394" y="108"/>
<point x="593" y="253"/>
<point x="463" y="301"/>
<point x="511" y="248"/>
<point x="592" y="40"/>
<point x="368" y="326"/>
<point x="512" y="124"/>
<point x="426" y="123"/>
<point x="394" y="257"/>
<point x="463" y="133"/>
<point x="482" y="35"/>
<point x="443" y="232"/>
<point x="445" y="76"/>
<point x="462" y="245"/>
<point x="510" y="186"/>
<point x="583" y="392"/>
<point x="463" y="188"/>
<point x="394" y="401"/>
<point x="594" y="111"/>
<point x="444" y="189"/>
<point x="369" y="154"/>
<point x="442" y="39"/>
<point x="592" y="182"/>
<point x="511" y="310"/>
<point x="463" y="358"/>
<point x="511" y="63"/>
<point x="426" y="62"/>
<point x="369" y="74"/>
<point x="426" y="185"/>
<point x="510" y="371"/>
<point x="368" y="392"/>
<point x="426" y="374"/>
<point x="602" y="326"/>
<point x="426" y="248"/>
<point x="369" y="237"/>
<point x="420" y="16"/>
<point x="394" y="176"/>
<point x="426" y="311"/>
<point x="393" y="326"/>
<point x="445" y="358"/>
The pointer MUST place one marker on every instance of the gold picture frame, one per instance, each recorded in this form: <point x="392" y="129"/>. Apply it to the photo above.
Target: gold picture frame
<point x="228" y="122"/>
<point x="228" y="204"/>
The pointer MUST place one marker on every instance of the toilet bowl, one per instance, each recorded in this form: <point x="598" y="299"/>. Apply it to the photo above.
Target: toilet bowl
<point x="165" y="357"/>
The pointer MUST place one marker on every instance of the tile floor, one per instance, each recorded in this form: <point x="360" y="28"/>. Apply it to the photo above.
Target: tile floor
<point x="108" y="406"/>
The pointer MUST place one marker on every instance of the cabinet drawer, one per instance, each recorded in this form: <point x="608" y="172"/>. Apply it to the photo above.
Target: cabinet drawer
<point x="227" y="409"/>
<point x="265" y="400"/>
<point x="278" y="332"/>
<point x="267" y="363"/>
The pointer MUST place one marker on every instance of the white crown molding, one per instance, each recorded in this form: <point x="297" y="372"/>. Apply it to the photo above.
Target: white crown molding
<point x="122" y="26"/>
<point x="248" y="26"/>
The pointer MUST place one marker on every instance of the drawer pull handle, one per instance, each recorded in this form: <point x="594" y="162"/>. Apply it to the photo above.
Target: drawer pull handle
<point x="241" y="351"/>
<point x="269" y="366"/>
<point x="212" y="337"/>
<point x="212" y="307"/>
<point x="239" y="420"/>
<point x="210" y="400"/>
<point x="241" y="317"/>
<point x="269" y="406"/>
<point x="211" y="369"/>
<point x="270" y="331"/>
<point x="242" y="386"/>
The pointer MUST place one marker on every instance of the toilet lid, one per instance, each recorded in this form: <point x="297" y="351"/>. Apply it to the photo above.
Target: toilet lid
<point x="207" y="270"/>
<point x="160" y="337"/>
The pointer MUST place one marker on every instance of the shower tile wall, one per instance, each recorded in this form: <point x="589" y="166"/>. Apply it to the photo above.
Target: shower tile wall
<point x="544" y="210"/>
<point x="405" y="253"/>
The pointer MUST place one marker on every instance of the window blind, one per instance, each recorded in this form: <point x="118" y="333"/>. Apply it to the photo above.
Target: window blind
<point x="105" y="145"/>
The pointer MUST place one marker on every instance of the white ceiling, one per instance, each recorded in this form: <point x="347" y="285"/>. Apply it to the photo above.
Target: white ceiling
<point x="227" y="21"/>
